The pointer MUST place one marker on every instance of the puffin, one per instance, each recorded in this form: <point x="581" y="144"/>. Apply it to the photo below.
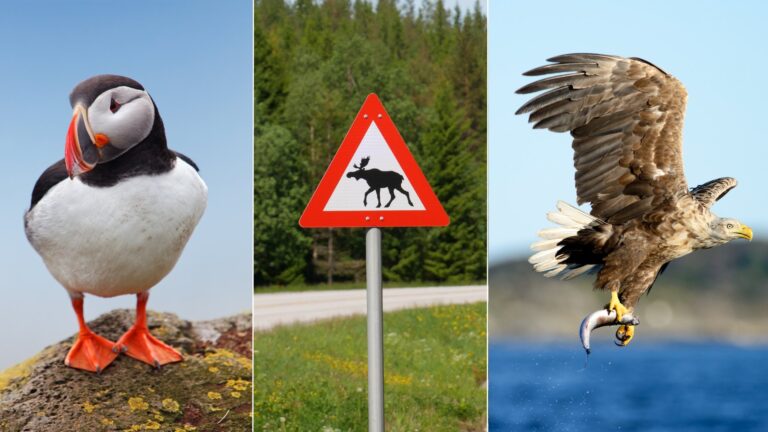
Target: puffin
<point x="113" y="216"/>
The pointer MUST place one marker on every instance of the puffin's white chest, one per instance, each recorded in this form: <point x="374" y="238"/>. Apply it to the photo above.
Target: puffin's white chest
<point x="117" y="240"/>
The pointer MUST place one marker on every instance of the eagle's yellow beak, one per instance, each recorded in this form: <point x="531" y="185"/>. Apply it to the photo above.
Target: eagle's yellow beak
<point x="745" y="232"/>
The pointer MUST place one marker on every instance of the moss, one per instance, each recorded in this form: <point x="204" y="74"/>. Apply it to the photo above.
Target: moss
<point x="16" y="372"/>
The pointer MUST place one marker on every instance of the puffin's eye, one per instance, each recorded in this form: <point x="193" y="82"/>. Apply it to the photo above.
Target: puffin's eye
<point x="729" y="226"/>
<point x="114" y="105"/>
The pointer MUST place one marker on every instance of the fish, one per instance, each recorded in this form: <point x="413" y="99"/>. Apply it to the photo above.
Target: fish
<point x="602" y="318"/>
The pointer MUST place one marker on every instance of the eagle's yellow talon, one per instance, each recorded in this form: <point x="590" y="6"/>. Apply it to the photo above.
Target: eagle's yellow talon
<point x="616" y="305"/>
<point x="625" y="334"/>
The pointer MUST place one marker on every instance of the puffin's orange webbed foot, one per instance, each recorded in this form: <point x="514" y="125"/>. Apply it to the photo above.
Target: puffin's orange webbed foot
<point x="138" y="343"/>
<point x="90" y="352"/>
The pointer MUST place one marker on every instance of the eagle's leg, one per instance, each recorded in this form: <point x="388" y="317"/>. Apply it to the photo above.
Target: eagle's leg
<point x="138" y="343"/>
<point x="616" y="305"/>
<point x="626" y="331"/>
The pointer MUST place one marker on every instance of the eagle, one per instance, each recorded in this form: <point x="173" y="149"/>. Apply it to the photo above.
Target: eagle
<point x="626" y="119"/>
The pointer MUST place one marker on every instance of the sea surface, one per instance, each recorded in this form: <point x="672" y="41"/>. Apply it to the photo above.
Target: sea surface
<point x="644" y="387"/>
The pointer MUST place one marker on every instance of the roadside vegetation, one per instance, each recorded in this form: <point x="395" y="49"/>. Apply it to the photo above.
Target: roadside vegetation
<point x="314" y="377"/>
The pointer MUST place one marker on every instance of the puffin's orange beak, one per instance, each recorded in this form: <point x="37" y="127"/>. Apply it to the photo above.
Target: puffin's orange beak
<point x="73" y="151"/>
<point x="100" y="140"/>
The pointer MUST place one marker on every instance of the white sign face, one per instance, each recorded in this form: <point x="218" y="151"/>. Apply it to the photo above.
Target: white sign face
<point x="374" y="180"/>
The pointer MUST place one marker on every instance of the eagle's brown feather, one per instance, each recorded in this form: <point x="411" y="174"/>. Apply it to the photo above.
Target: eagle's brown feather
<point x="626" y="118"/>
<point x="711" y="191"/>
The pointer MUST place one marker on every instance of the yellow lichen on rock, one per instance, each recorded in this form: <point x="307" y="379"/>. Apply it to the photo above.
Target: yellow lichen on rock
<point x="88" y="407"/>
<point x="170" y="405"/>
<point x="192" y="395"/>
<point x="221" y="357"/>
<point x="137" y="404"/>
<point x="238" y="384"/>
<point x="152" y="425"/>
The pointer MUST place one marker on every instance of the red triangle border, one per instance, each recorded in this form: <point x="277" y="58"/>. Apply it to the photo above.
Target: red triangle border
<point x="315" y="216"/>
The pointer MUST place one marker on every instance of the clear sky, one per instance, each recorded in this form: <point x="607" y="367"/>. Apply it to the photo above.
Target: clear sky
<point x="715" y="48"/>
<point x="467" y="4"/>
<point x="195" y="59"/>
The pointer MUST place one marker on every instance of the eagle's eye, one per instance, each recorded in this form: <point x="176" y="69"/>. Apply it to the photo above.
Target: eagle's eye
<point x="729" y="226"/>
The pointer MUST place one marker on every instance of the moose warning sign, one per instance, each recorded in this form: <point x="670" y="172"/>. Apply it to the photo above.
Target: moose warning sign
<point x="377" y="180"/>
<point x="373" y="180"/>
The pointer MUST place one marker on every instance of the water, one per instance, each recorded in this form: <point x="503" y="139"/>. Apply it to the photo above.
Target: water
<point x="645" y="387"/>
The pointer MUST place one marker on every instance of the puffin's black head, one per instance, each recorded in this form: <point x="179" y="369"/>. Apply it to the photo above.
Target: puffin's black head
<point x="112" y="114"/>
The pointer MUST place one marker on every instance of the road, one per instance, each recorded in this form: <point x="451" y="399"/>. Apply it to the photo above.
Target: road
<point x="270" y="310"/>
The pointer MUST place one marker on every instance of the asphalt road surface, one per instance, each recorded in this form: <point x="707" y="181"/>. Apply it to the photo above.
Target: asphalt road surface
<point x="270" y="310"/>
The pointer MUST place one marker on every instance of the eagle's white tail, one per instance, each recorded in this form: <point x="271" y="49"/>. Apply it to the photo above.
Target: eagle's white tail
<point x="570" y="220"/>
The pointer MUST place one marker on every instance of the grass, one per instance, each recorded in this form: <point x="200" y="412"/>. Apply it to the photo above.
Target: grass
<point x="313" y="377"/>
<point x="355" y="285"/>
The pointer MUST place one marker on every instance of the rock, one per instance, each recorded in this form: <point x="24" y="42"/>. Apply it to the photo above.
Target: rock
<point x="209" y="391"/>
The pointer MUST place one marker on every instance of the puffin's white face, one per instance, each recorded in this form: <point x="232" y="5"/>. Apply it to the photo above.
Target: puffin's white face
<point x="727" y="229"/>
<point x="124" y="115"/>
<point x="115" y="121"/>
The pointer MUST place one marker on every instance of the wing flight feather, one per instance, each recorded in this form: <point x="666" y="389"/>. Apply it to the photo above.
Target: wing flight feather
<point x="710" y="192"/>
<point x="626" y="119"/>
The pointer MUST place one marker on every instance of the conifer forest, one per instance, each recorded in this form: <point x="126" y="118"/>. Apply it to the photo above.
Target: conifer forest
<point x="315" y="62"/>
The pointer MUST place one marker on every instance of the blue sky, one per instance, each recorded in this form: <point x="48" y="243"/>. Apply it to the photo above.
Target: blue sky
<point x="715" y="48"/>
<point x="195" y="59"/>
<point x="466" y="5"/>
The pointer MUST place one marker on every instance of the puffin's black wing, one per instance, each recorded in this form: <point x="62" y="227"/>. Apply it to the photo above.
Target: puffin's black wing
<point x="48" y="179"/>
<point x="58" y="172"/>
<point x="187" y="160"/>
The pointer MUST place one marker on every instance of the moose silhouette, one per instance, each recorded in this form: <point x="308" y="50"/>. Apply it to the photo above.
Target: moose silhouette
<point x="377" y="180"/>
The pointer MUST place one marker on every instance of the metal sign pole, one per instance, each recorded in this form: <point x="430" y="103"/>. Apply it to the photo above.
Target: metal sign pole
<point x="375" y="331"/>
<point x="333" y="195"/>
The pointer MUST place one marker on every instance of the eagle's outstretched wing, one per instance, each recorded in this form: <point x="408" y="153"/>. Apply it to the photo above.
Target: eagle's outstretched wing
<point x="626" y="118"/>
<point x="711" y="191"/>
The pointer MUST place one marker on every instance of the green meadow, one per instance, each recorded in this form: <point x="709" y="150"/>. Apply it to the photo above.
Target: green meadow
<point x="314" y="377"/>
